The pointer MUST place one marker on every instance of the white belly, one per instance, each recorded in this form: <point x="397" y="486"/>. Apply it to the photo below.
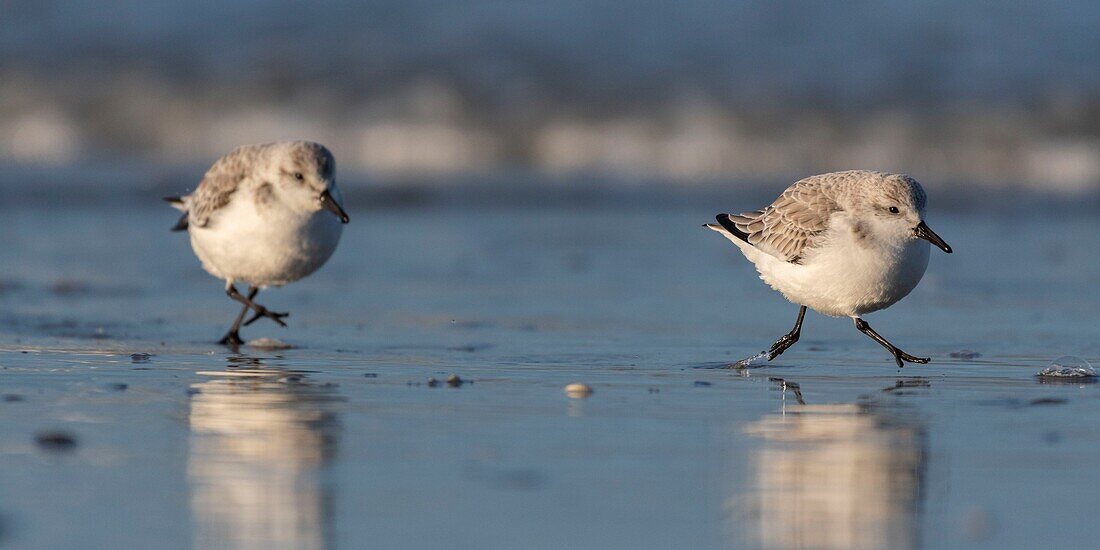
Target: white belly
<point x="849" y="280"/>
<point x="265" y="248"/>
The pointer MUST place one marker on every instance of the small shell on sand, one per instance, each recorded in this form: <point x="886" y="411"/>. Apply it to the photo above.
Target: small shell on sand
<point x="578" y="391"/>
<point x="269" y="343"/>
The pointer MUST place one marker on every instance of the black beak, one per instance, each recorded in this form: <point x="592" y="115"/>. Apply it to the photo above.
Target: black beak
<point x="330" y="204"/>
<point x="924" y="232"/>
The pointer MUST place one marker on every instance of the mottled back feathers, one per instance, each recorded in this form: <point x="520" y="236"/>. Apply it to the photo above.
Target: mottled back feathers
<point x="220" y="182"/>
<point x="241" y="167"/>
<point x="795" y="223"/>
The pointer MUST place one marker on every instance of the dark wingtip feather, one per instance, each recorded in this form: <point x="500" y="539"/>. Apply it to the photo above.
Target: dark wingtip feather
<point x="182" y="224"/>
<point x="728" y="225"/>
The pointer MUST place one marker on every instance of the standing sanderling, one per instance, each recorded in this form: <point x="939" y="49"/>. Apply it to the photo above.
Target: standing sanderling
<point x="257" y="218"/>
<point x="844" y="244"/>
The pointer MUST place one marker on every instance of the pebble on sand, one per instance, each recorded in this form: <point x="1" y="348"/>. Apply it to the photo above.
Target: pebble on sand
<point x="965" y="354"/>
<point x="56" y="442"/>
<point x="578" y="391"/>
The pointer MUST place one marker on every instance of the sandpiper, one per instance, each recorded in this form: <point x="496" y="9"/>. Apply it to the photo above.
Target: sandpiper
<point x="843" y="244"/>
<point x="265" y="215"/>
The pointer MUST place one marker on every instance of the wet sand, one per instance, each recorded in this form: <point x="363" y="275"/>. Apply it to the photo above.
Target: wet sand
<point x="122" y="425"/>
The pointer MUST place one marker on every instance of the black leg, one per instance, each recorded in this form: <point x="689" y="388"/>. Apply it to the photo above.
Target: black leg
<point x="899" y="355"/>
<point x="788" y="339"/>
<point x="261" y="311"/>
<point x="233" y="337"/>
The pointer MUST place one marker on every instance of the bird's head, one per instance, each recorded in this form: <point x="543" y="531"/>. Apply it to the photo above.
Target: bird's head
<point x="893" y="206"/>
<point x="304" y="175"/>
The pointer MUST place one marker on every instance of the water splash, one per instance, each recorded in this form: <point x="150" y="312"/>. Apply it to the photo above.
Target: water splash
<point x="757" y="360"/>
<point x="1069" y="366"/>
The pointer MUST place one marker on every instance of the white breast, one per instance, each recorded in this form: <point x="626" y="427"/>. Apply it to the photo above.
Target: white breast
<point x="271" y="246"/>
<point x="847" y="277"/>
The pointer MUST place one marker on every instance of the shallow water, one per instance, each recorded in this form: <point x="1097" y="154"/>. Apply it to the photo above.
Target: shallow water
<point x="341" y="441"/>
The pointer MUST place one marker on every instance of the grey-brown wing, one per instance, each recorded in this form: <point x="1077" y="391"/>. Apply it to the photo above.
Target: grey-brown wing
<point x="791" y="224"/>
<point x="219" y="184"/>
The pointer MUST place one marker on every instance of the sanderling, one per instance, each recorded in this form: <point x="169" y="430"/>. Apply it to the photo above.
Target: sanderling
<point x="844" y="244"/>
<point x="257" y="218"/>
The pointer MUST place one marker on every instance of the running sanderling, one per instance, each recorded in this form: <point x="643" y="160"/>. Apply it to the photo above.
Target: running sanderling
<point x="258" y="217"/>
<point x="844" y="244"/>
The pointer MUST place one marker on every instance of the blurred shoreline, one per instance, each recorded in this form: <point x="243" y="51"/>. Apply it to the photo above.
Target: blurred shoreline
<point x="138" y="185"/>
<point x="691" y="92"/>
<point x="431" y="132"/>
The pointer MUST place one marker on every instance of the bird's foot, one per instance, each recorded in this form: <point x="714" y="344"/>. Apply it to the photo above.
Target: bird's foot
<point x="900" y="356"/>
<point x="231" y="339"/>
<point x="262" y="311"/>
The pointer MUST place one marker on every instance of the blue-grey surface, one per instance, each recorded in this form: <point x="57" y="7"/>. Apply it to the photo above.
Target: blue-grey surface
<point x="592" y="49"/>
<point x="341" y="442"/>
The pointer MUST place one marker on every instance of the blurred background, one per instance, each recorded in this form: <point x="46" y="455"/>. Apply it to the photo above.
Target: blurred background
<point x="526" y="182"/>
<point x="137" y="94"/>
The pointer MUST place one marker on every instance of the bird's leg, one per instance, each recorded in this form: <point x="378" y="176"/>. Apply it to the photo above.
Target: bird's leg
<point x="788" y="340"/>
<point x="899" y="355"/>
<point x="261" y="311"/>
<point x="233" y="337"/>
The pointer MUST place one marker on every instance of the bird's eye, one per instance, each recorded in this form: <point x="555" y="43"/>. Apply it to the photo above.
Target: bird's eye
<point x="894" y="210"/>
<point x="298" y="176"/>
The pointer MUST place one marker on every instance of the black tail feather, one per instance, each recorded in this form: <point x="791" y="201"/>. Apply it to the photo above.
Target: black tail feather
<point x="181" y="225"/>
<point x="728" y="225"/>
<point x="183" y="222"/>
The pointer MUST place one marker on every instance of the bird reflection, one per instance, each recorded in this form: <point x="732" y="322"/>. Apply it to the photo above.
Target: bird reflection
<point x="836" y="476"/>
<point x="260" y="440"/>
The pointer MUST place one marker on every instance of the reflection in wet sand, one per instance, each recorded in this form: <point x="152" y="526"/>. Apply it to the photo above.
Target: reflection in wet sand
<point x="836" y="476"/>
<point x="260" y="439"/>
